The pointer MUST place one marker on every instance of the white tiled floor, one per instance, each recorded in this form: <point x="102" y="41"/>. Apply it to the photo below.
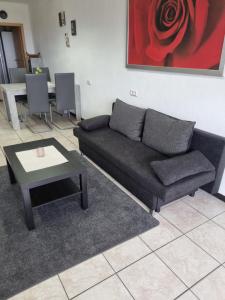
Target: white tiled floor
<point x="183" y="258"/>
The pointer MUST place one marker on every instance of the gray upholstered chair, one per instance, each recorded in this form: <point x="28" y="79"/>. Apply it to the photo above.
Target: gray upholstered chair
<point x="65" y="96"/>
<point x="37" y="95"/>
<point x="44" y="70"/>
<point x="17" y="75"/>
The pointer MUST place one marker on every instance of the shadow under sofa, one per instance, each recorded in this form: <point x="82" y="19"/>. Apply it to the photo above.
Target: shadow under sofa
<point x="128" y="161"/>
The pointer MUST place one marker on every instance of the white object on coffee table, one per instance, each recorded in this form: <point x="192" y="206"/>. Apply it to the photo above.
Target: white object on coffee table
<point x="31" y="162"/>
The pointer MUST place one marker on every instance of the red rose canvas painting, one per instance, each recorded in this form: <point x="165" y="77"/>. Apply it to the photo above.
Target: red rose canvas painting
<point x="187" y="34"/>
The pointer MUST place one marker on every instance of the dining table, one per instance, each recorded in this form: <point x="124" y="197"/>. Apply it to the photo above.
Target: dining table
<point x="9" y="92"/>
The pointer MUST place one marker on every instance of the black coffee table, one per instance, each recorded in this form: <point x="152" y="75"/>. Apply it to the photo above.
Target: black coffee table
<point x="49" y="184"/>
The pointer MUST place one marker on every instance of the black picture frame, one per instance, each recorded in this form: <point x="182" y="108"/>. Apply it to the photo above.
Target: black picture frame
<point x="73" y="27"/>
<point x="3" y="14"/>
<point x="62" y="18"/>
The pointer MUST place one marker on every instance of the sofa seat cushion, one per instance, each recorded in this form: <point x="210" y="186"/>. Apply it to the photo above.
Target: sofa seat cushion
<point x="166" y="134"/>
<point x="128" y="120"/>
<point x="133" y="159"/>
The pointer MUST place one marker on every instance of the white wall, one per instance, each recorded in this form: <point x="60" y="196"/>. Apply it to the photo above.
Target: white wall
<point x="19" y="13"/>
<point x="98" y="54"/>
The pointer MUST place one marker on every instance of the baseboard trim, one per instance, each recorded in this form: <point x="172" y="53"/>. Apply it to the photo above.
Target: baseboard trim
<point x="220" y="196"/>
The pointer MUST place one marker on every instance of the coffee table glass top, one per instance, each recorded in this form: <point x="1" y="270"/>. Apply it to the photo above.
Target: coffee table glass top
<point x="30" y="166"/>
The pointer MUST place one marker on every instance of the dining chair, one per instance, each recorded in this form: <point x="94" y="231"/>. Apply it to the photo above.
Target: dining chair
<point x="17" y="75"/>
<point x="65" y="97"/>
<point x="37" y="95"/>
<point x="44" y="70"/>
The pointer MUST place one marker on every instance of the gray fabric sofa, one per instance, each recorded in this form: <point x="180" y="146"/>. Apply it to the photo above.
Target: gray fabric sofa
<point x="129" y="161"/>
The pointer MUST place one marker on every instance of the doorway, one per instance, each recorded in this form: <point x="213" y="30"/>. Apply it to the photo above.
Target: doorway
<point x="12" y="49"/>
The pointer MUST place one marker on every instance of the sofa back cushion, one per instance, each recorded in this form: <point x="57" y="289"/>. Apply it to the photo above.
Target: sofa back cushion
<point x="128" y="120"/>
<point x="166" y="134"/>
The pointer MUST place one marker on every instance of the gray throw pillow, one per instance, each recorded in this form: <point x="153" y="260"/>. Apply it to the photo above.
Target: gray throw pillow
<point x="95" y="123"/>
<point x="166" y="134"/>
<point x="174" y="169"/>
<point x="128" y="120"/>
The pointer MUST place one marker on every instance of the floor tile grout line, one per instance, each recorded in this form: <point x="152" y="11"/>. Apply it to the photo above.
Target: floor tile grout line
<point x="188" y="288"/>
<point x="214" y="222"/>
<point x="116" y="273"/>
<point x="210" y="218"/>
<point x="168" y="267"/>
<point x="91" y="287"/>
<point x="196" y="283"/>
<point x="171" y="223"/>
<point x="188" y="230"/>
<point x="189" y="205"/>
<point x="185" y="234"/>
<point x="63" y="286"/>
<point x="193" y="227"/>
<point x="131" y="264"/>
<point x="184" y="202"/>
<point x="160" y="246"/>
<point x="203" y="249"/>
<point x="194" y="294"/>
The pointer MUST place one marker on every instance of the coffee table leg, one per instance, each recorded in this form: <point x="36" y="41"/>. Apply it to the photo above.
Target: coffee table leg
<point x="83" y="188"/>
<point x="28" y="209"/>
<point x="11" y="174"/>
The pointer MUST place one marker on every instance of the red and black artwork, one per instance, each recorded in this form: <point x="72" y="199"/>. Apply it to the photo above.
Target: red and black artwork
<point x="176" y="33"/>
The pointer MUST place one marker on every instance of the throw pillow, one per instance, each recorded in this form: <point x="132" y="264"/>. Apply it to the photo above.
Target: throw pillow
<point x="166" y="134"/>
<point x="128" y="120"/>
<point x="174" y="169"/>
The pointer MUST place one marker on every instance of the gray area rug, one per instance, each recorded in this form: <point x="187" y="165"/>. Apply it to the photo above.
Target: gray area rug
<point x="65" y="235"/>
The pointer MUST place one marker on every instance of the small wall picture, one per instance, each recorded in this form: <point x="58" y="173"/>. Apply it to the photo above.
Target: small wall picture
<point x="67" y="40"/>
<point x="62" y="18"/>
<point x="73" y="27"/>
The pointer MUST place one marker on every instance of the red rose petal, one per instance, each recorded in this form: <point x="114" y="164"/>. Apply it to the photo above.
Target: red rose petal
<point x="198" y="25"/>
<point x="215" y="13"/>
<point x="162" y="35"/>
<point x="138" y="21"/>
<point x="192" y="8"/>
<point x="208" y="55"/>
<point x="157" y="49"/>
<point x="159" y="52"/>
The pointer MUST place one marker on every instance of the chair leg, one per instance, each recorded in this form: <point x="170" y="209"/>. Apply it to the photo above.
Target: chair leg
<point x="158" y="205"/>
<point x="24" y="113"/>
<point x="192" y="194"/>
<point x="151" y="211"/>
<point x="51" y="116"/>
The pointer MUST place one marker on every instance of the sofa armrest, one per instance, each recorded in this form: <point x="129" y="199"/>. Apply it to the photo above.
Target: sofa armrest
<point x="213" y="147"/>
<point x="95" y="123"/>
